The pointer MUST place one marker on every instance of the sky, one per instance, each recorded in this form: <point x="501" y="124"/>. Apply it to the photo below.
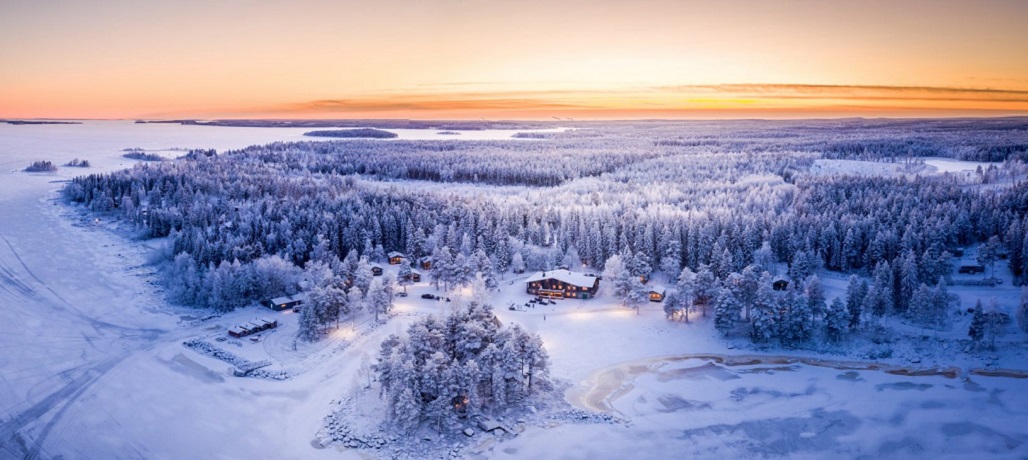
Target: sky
<point x="512" y="59"/>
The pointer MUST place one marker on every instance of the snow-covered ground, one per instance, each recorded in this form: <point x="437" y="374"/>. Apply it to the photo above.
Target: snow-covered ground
<point x="881" y="168"/>
<point x="94" y="365"/>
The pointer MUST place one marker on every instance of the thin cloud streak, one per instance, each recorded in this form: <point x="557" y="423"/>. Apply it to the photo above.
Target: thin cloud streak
<point x="683" y="99"/>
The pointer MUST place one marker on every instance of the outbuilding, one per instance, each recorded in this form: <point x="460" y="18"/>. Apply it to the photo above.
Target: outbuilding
<point x="395" y="258"/>
<point x="284" y="302"/>
<point x="657" y="293"/>
<point x="780" y="283"/>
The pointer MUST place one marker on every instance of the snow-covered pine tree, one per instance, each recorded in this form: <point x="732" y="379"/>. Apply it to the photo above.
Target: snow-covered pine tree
<point x="310" y="322"/>
<point x="705" y="287"/>
<point x="517" y="263"/>
<point x="837" y="320"/>
<point x="856" y="291"/>
<point x="363" y="276"/>
<point x="815" y="294"/>
<point x="977" y="329"/>
<point x="616" y="278"/>
<point x="726" y="310"/>
<point x="404" y="275"/>
<point x="762" y="322"/>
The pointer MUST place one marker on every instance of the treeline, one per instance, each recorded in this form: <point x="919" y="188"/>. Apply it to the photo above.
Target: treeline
<point x="461" y="365"/>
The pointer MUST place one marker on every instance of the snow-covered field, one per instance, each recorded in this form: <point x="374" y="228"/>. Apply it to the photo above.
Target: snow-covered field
<point x="94" y="365"/>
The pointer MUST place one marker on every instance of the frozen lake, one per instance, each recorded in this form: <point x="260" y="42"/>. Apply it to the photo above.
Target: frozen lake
<point x="701" y="407"/>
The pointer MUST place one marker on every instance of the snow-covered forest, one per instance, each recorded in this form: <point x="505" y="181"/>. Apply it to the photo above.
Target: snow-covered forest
<point x="719" y="210"/>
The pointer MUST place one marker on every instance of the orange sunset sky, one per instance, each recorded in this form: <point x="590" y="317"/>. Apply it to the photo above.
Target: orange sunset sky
<point x="512" y="59"/>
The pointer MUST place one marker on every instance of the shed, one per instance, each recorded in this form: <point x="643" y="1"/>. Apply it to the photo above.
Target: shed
<point x="395" y="258"/>
<point x="657" y="293"/>
<point x="284" y="302"/>
<point x="780" y="283"/>
<point x="376" y="270"/>
<point x="972" y="269"/>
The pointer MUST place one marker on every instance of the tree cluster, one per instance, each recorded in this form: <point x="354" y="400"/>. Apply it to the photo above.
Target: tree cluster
<point x="458" y="366"/>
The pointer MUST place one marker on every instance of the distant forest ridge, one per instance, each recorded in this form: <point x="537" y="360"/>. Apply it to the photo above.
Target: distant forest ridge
<point x="40" y="122"/>
<point x="460" y="125"/>
<point x="362" y="133"/>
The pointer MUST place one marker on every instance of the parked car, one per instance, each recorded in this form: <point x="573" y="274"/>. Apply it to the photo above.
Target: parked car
<point x="428" y="296"/>
<point x="401" y="294"/>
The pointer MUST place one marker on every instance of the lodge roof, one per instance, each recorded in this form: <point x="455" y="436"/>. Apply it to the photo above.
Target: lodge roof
<point x="566" y="276"/>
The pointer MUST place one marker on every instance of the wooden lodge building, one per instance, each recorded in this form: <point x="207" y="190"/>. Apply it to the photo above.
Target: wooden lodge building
<point x="561" y="284"/>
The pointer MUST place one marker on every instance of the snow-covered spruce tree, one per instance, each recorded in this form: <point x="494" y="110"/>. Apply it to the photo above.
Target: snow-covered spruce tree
<point x="380" y="296"/>
<point x="638" y="294"/>
<point x="726" y="311"/>
<point x="856" y="292"/>
<point x="616" y="278"/>
<point x="480" y="264"/>
<point x="764" y="258"/>
<point x="815" y="295"/>
<point x="923" y="309"/>
<point x="762" y="322"/>
<point x="797" y="324"/>
<point x="836" y="320"/>
<point x="747" y="286"/>
<point x="310" y="322"/>
<point x="517" y="263"/>
<point x="977" y="329"/>
<point x="705" y="287"/>
<point x="403" y="276"/>
<point x="672" y="304"/>
<point x="878" y="300"/>
<point x="363" y="276"/>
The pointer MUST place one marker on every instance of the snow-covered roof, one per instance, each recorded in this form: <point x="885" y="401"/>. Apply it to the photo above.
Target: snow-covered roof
<point x="395" y="254"/>
<point x="567" y="276"/>
<point x="289" y="299"/>
<point x="658" y="289"/>
<point x="415" y="271"/>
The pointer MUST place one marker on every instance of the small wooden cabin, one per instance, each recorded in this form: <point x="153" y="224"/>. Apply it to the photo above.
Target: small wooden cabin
<point x="415" y="276"/>
<point x="395" y="258"/>
<point x="562" y="284"/>
<point x="284" y="302"/>
<point x="425" y="263"/>
<point x="376" y="270"/>
<point x="780" y="283"/>
<point x="971" y="269"/>
<point x="657" y="294"/>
